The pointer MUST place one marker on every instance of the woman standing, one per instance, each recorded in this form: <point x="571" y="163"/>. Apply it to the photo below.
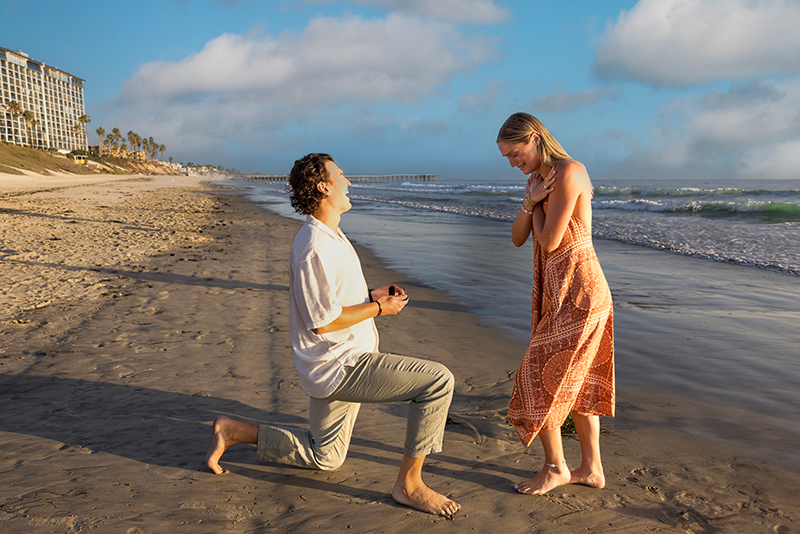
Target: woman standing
<point x="569" y="365"/>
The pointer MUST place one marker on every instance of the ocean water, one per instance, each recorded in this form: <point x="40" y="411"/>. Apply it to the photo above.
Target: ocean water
<point x="454" y="235"/>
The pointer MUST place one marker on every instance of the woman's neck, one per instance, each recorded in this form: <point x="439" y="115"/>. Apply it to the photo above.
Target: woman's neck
<point x="544" y="169"/>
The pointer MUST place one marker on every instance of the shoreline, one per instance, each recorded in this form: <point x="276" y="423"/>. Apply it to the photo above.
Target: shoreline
<point x="719" y="337"/>
<point x="113" y="396"/>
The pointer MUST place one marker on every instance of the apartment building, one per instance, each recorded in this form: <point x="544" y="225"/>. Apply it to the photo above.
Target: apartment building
<point x="54" y="97"/>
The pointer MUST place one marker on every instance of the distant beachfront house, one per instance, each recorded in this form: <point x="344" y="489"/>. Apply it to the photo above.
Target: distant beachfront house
<point x="54" y="98"/>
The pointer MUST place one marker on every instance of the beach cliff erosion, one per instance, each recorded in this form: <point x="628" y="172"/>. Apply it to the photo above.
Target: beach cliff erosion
<point x="371" y="178"/>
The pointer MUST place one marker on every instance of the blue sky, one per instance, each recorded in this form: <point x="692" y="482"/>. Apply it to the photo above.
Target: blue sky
<point x="639" y="90"/>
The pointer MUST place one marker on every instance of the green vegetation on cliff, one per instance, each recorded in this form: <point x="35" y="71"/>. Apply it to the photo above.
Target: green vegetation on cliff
<point x="15" y="159"/>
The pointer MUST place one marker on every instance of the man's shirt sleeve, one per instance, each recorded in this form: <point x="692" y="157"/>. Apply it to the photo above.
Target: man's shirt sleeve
<point x="315" y="292"/>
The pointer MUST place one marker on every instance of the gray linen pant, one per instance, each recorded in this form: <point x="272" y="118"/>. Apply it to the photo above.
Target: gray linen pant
<point x="375" y="378"/>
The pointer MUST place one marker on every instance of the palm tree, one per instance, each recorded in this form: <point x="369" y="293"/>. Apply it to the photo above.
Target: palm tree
<point x="29" y="120"/>
<point x="161" y="149"/>
<point x="34" y="123"/>
<point x="100" y="132"/>
<point x="84" y="120"/>
<point x="145" y="146"/>
<point x="16" y="111"/>
<point x="78" y="128"/>
<point x="131" y="139"/>
<point x="116" y="137"/>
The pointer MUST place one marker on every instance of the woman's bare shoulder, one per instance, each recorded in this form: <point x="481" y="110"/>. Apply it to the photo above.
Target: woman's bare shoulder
<point x="571" y="167"/>
<point x="573" y="173"/>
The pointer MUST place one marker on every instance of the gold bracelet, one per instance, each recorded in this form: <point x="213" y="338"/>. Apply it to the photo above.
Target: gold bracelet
<point x="528" y="200"/>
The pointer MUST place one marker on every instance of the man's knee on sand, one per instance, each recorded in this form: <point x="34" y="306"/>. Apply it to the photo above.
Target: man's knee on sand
<point x="445" y="381"/>
<point x="331" y="461"/>
<point x="449" y="379"/>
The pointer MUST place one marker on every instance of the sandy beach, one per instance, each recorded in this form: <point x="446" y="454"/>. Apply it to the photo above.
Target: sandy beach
<point x="137" y="309"/>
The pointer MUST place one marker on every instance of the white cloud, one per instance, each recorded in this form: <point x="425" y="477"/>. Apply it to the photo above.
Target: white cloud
<point x="777" y="161"/>
<point x="479" y="103"/>
<point x="478" y="11"/>
<point x="334" y="60"/>
<point x="749" y="115"/>
<point x="564" y="101"/>
<point x="246" y="92"/>
<point x="682" y="42"/>
<point x="752" y="130"/>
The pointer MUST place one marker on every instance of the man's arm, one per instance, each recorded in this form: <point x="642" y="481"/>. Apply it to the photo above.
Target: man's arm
<point x="350" y="316"/>
<point x="383" y="305"/>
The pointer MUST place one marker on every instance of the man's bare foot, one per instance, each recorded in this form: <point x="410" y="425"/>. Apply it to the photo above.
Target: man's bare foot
<point x="545" y="480"/>
<point x="424" y="499"/>
<point x="218" y="444"/>
<point x="587" y="477"/>
<point x="227" y="432"/>
<point x="224" y="433"/>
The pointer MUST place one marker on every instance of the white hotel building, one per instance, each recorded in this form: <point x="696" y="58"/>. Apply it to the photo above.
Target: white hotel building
<point x="55" y="97"/>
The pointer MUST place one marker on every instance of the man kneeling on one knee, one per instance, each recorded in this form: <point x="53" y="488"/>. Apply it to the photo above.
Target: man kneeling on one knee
<point x="335" y="346"/>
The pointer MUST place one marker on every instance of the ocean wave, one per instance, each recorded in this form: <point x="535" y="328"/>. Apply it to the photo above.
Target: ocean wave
<point x="747" y="229"/>
<point x="690" y="191"/>
<point x="436" y="189"/>
<point x="763" y="211"/>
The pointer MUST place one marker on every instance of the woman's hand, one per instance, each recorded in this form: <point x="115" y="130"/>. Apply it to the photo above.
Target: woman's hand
<point x="538" y="188"/>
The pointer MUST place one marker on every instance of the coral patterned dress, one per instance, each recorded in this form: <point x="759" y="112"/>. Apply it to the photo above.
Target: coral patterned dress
<point x="569" y="365"/>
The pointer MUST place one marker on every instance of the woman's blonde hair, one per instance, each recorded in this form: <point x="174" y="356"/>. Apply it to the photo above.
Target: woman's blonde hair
<point x="519" y="128"/>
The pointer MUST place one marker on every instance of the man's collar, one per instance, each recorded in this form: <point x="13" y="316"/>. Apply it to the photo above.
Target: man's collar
<point x="313" y="221"/>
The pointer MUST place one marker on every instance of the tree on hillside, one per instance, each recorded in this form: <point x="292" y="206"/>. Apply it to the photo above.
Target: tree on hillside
<point x="131" y="137"/>
<point x="145" y="146"/>
<point x="84" y="120"/>
<point x="161" y="149"/>
<point x="16" y="111"/>
<point x="34" y="126"/>
<point x="100" y="133"/>
<point x="116" y="137"/>
<point x="30" y="119"/>
<point x="112" y="149"/>
<point x="78" y="129"/>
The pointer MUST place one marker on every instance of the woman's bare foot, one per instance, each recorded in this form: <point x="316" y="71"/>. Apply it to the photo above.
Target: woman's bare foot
<point x="545" y="480"/>
<point x="587" y="477"/>
<point x="224" y="433"/>
<point x="424" y="499"/>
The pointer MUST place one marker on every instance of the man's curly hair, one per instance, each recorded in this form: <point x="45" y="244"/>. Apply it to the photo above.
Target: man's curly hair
<point x="307" y="172"/>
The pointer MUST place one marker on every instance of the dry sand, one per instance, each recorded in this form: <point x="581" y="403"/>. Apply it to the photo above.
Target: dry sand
<point x="137" y="309"/>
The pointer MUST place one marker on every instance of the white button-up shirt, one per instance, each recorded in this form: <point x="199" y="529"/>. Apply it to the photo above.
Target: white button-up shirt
<point x="325" y="276"/>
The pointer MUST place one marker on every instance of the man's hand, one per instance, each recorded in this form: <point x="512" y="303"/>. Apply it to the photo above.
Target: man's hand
<point x="387" y="291"/>
<point x="391" y="304"/>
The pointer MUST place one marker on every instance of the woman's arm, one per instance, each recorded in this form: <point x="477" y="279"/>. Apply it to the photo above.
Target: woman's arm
<point x="549" y="227"/>
<point x="537" y="189"/>
<point x="521" y="228"/>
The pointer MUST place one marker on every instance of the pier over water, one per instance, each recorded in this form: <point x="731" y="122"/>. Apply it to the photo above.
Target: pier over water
<point x="259" y="177"/>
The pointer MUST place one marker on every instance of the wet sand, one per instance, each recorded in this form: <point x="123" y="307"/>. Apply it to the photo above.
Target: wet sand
<point x="135" y="310"/>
